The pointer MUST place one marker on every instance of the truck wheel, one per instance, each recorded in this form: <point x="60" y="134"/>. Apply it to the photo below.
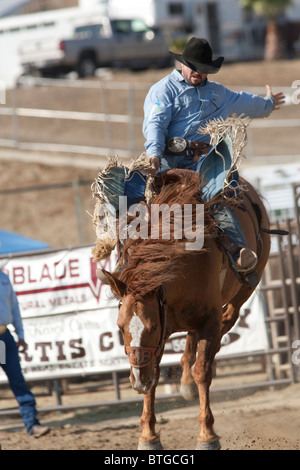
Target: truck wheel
<point x="87" y="66"/>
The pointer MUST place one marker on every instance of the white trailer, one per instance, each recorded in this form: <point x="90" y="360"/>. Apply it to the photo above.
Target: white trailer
<point x="16" y="30"/>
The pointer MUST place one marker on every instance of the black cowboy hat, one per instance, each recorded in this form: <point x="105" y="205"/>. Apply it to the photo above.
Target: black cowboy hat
<point x="197" y="55"/>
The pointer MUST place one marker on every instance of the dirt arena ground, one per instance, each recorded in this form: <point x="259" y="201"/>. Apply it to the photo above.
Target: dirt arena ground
<point x="260" y="420"/>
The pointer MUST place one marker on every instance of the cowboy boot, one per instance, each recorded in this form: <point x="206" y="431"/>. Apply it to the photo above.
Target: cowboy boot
<point x="242" y="259"/>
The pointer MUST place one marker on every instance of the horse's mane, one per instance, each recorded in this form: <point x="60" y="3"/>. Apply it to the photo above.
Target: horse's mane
<point x="147" y="262"/>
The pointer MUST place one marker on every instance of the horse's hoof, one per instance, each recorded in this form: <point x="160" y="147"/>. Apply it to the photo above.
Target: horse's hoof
<point x="156" y="445"/>
<point x="209" y="445"/>
<point x="189" y="392"/>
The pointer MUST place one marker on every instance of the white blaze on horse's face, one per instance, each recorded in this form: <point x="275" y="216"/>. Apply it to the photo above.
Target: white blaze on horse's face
<point x="139" y="323"/>
<point x="136" y="328"/>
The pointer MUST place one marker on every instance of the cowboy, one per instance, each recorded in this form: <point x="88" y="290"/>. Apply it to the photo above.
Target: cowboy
<point x="10" y="314"/>
<point x="182" y="102"/>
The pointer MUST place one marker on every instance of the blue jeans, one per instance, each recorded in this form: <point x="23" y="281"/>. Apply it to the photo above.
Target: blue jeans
<point x="12" y="369"/>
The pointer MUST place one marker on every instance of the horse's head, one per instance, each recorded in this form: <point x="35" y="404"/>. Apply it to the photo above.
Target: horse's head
<point x="143" y="325"/>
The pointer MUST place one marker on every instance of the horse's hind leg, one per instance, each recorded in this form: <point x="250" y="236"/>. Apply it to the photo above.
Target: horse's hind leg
<point x="232" y="310"/>
<point x="188" y="388"/>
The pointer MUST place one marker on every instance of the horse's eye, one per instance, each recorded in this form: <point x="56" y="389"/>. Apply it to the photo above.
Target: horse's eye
<point x="120" y="303"/>
<point x="153" y="328"/>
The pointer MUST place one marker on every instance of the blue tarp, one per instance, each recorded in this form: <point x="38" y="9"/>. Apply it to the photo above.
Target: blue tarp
<point x="11" y="242"/>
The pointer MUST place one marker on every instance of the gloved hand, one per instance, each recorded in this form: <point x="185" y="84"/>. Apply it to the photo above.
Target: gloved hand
<point x="155" y="163"/>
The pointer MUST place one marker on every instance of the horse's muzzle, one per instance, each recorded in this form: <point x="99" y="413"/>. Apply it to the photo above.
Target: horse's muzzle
<point x="142" y="377"/>
<point x="140" y="382"/>
<point x="140" y="356"/>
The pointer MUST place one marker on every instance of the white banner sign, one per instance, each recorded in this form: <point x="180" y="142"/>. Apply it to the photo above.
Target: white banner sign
<point x="57" y="282"/>
<point x="249" y="333"/>
<point x="70" y="318"/>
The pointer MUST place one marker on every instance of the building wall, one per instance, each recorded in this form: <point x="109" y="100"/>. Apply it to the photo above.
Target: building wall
<point x="89" y="4"/>
<point x="34" y="6"/>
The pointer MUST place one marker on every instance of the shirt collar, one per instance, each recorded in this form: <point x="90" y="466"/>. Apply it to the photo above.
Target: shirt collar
<point x="177" y="75"/>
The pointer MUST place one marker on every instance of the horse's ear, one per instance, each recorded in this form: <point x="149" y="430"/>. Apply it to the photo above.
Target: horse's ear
<point x="117" y="286"/>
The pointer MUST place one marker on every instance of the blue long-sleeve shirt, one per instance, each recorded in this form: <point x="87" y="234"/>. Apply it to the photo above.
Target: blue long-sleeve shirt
<point x="9" y="306"/>
<point x="173" y="108"/>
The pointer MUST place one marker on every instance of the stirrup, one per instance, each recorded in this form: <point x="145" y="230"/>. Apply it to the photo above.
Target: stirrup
<point x="249" y="277"/>
<point x="242" y="265"/>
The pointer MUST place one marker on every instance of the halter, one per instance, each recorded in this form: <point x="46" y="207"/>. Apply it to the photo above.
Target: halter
<point x="140" y="356"/>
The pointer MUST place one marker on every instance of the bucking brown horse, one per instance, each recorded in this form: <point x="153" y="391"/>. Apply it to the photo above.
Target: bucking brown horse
<point x="164" y="288"/>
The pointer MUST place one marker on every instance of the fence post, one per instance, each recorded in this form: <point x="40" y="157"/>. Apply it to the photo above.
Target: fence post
<point x="116" y="385"/>
<point x="287" y="322"/>
<point x="293" y="276"/>
<point x="131" y="114"/>
<point x="105" y="110"/>
<point x="77" y="201"/>
<point x="296" y="189"/>
<point x="57" y="390"/>
<point x="15" y="119"/>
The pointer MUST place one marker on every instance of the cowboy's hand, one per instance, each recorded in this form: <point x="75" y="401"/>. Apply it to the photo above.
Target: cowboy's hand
<point x="279" y="98"/>
<point x="22" y="344"/>
<point x="155" y="163"/>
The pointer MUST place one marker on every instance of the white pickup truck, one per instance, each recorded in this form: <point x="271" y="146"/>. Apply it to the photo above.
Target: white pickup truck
<point x="105" y="43"/>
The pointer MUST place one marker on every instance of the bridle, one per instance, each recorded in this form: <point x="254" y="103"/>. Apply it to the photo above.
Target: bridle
<point x="140" y="356"/>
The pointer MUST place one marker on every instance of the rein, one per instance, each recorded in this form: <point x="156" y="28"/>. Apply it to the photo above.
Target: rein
<point x="140" y="356"/>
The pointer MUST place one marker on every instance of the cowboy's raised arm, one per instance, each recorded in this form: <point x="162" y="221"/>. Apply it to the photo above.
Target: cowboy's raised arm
<point x="253" y="106"/>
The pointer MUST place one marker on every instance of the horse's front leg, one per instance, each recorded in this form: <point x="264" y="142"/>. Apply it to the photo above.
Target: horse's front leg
<point x="149" y="439"/>
<point x="188" y="388"/>
<point x="203" y="371"/>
